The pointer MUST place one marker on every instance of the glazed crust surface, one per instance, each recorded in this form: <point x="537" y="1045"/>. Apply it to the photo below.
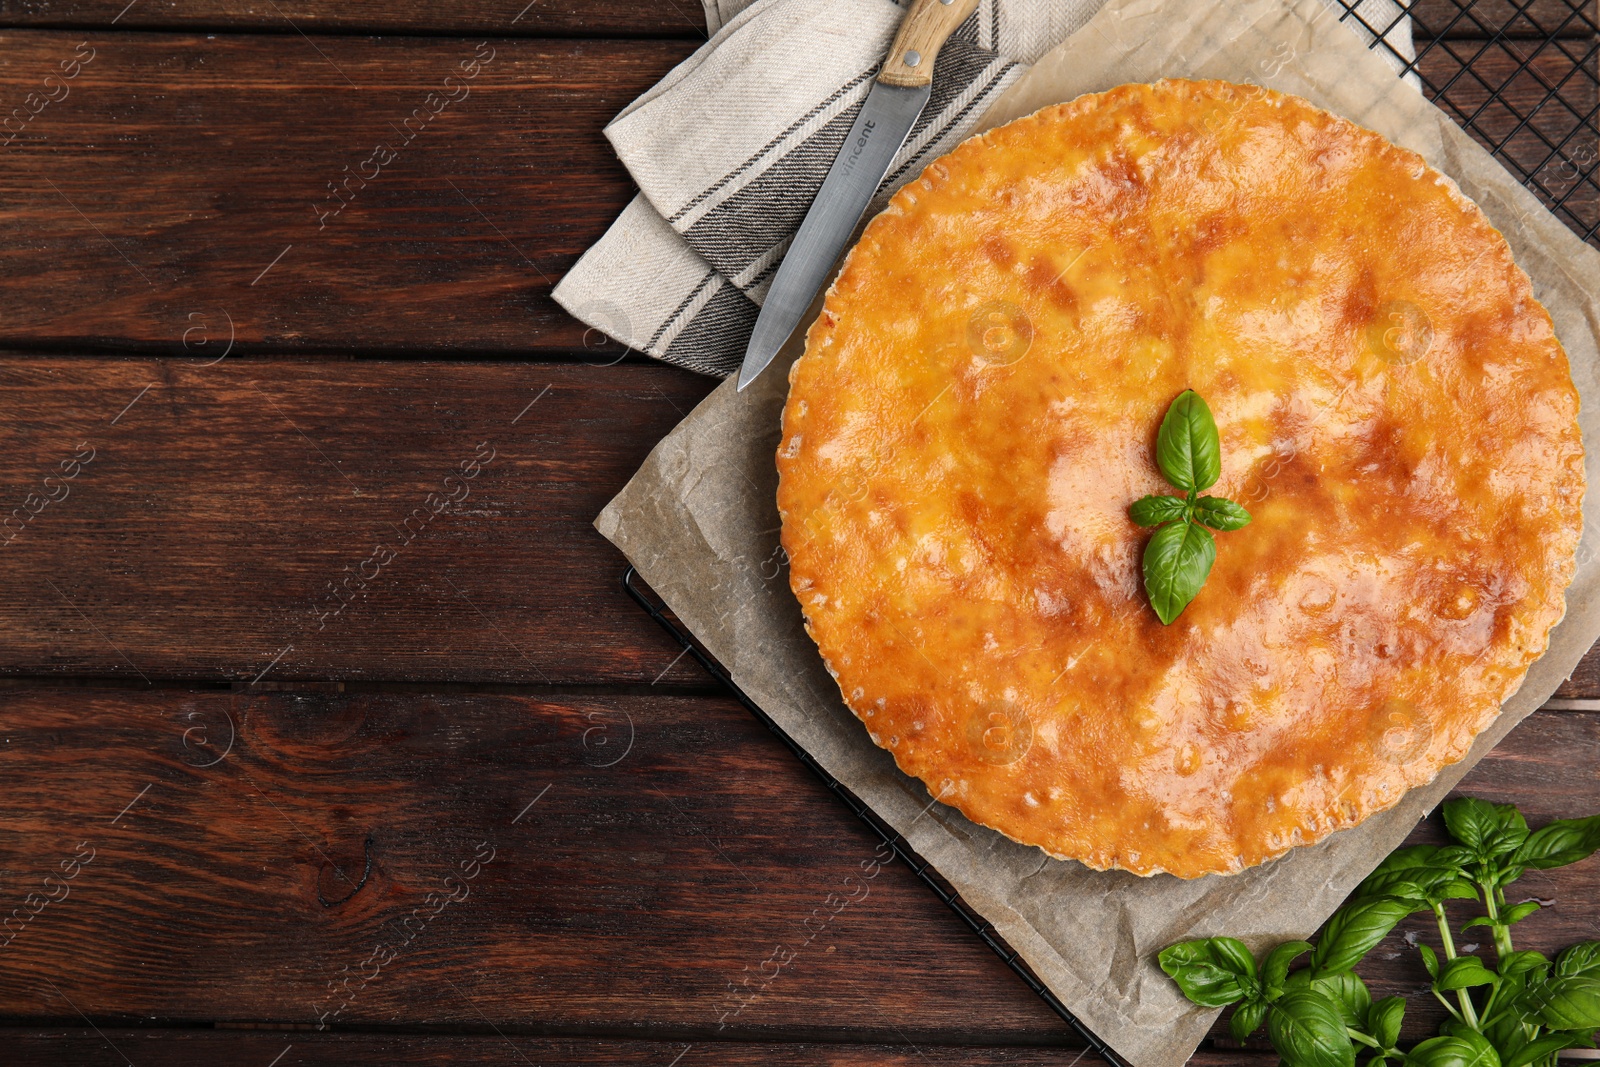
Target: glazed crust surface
<point x="977" y="407"/>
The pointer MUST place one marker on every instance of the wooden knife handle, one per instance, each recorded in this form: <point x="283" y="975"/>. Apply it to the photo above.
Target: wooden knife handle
<point x="922" y="33"/>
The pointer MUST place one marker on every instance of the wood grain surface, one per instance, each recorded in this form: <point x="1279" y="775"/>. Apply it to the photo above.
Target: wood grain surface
<point x="299" y="743"/>
<point x="620" y="866"/>
<point x="231" y="181"/>
<point x="228" y="512"/>
<point x="1462" y="19"/>
<point x="617" y="18"/>
<point x="499" y="18"/>
<point x="41" y="1047"/>
<point x="211" y="186"/>
<point x="646" y="853"/>
<point x="1502" y="91"/>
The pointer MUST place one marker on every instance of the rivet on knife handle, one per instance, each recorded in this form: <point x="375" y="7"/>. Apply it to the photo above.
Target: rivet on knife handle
<point x="922" y="33"/>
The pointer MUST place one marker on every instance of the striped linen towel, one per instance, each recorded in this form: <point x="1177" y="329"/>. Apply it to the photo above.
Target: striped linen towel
<point x="729" y="149"/>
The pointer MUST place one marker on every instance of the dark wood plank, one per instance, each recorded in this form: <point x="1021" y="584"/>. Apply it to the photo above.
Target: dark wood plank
<point x="1585" y="681"/>
<point x="648" y="856"/>
<point x="548" y="18"/>
<point x="185" y="175"/>
<point x="604" y="18"/>
<point x="230" y="876"/>
<point x="1535" y="106"/>
<point x="186" y="179"/>
<point x="228" y="512"/>
<point x="1486" y="18"/>
<point x="190" y="1048"/>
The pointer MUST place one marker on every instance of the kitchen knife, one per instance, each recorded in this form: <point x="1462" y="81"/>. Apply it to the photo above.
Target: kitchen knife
<point x="892" y="106"/>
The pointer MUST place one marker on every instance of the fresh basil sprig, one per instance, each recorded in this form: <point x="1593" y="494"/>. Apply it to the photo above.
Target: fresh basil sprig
<point x="1178" y="558"/>
<point x="1519" y="1012"/>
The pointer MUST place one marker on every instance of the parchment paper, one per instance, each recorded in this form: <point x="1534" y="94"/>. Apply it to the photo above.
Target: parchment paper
<point x="700" y="522"/>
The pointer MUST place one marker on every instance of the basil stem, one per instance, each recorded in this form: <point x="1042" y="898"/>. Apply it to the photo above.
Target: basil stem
<point x="1468" y="1014"/>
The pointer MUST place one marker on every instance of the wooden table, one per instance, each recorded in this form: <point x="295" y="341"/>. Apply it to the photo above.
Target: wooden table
<point x="480" y="810"/>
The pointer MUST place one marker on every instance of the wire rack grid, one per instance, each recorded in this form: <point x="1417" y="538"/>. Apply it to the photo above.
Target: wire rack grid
<point x="1521" y="76"/>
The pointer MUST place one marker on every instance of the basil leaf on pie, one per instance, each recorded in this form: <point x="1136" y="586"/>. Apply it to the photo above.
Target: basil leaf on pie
<point x="1220" y="514"/>
<point x="1176" y="563"/>
<point x="1155" y="510"/>
<point x="1188" y="450"/>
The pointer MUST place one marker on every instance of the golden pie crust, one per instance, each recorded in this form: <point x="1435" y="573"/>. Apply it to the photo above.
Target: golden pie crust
<point x="977" y="407"/>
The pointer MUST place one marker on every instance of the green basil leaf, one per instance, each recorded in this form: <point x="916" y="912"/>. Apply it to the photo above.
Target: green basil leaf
<point x="1384" y="1018"/>
<point x="1220" y="514"/>
<point x="1455" y="856"/>
<point x="1155" y="510"/>
<point x="1188" y="450"/>
<point x="1434" y="887"/>
<point x="1513" y="964"/>
<point x="1212" y="971"/>
<point x="1349" y="993"/>
<point x="1571" y="1003"/>
<point x="1468" y="819"/>
<point x="1582" y="958"/>
<point x="1463" y="1050"/>
<point x="1276" y="967"/>
<point x="1176" y="563"/>
<point x="1464" y="972"/>
<point x="1415" y="893"/>
<point x="1430" y="960"/>
<point x="1414" y="874"/>
<point x="1478" y="920"/>
<point x="1507" y="833"/>
<point x="1559" y="843"/>
<point x="1490" y="830"/>
<point x="1235" y="956"/>
<point x="1517" y="912"/>
<point x="1308" y="1031"/>
<point x="1508" y="1028"/>
<point x="1247" y="1019"/>
<point x="1401" y="859"/>
<point x="1541" y="1047"/>
<point x="1353" y="930"/>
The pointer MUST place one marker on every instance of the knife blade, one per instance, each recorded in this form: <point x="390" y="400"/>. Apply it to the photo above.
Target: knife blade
<point x="896" y="99"/>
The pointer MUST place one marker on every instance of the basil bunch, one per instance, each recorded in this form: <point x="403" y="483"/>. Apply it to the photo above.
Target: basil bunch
<point x="1518" y="1013"/>
<point x="1178" y="558"/>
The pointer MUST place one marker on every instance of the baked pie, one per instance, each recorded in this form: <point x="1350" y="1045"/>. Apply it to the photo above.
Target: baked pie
<point x="977" y="408"/>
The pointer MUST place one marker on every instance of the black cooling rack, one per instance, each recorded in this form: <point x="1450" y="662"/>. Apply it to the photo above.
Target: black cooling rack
<point x="1521" y="78"/>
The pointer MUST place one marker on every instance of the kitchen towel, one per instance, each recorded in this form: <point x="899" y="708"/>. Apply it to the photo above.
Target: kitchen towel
<point x="731" y="146"/>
